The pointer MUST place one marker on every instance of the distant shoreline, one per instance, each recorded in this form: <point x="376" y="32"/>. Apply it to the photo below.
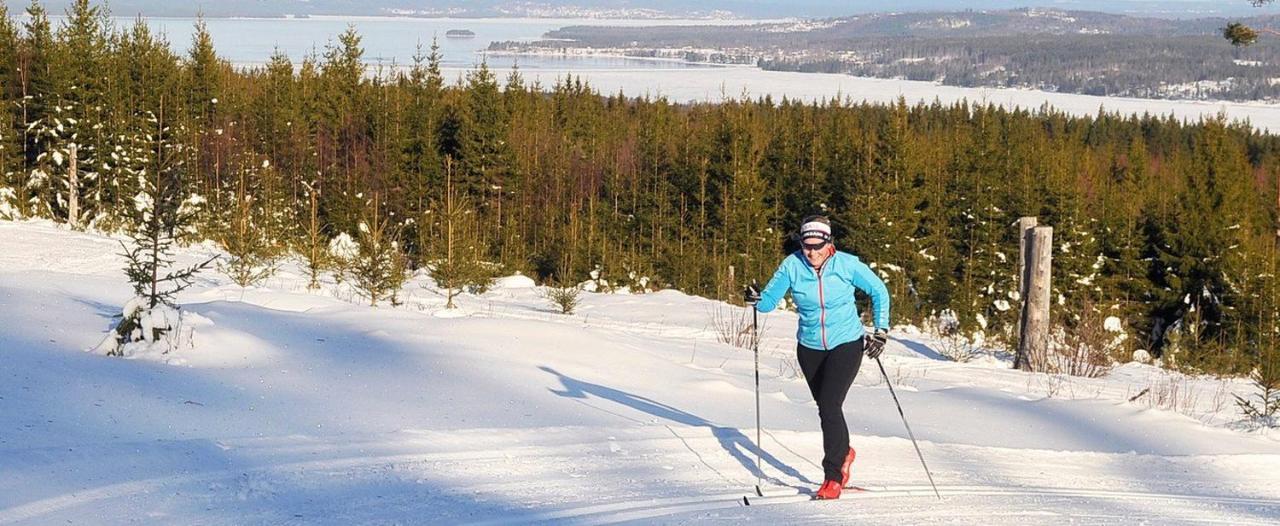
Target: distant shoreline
<point x="613" y="55"/>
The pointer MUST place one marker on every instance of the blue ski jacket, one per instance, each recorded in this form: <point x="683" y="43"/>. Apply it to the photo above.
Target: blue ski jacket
<point x="824" y="297"/>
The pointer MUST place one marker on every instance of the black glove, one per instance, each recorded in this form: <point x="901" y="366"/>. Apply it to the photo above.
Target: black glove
<point x="751" y="295"/>
<point x="874" y="344"/>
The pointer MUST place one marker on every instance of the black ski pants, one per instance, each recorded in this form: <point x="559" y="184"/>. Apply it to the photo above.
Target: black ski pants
<point x="830" y="374"/>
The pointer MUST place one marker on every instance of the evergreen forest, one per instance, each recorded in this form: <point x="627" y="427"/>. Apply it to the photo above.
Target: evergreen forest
<point x="1169" y="227"/>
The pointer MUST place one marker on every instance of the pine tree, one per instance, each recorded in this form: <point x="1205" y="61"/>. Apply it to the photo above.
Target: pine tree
<point x="1242" y="35"/>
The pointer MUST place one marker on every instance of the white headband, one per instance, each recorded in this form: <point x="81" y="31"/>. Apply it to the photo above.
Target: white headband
<point x="816" y="229"/>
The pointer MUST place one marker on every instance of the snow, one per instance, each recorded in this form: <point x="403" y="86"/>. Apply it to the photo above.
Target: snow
<point x="1112" y="324"/>
<point x="305" y="407"/>
<point x="343" y="247"/>
<point x="715" y="84"/>
<point x="7" y="210"/>
<point x="514" y="282"/>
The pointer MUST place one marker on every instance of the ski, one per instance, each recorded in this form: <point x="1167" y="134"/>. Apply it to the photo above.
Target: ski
<point x="750" y="500"/>
<point x="792" y="495"/>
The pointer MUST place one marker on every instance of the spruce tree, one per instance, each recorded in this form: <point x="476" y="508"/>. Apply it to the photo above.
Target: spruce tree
<point x="247" y="233"/>
<point x="747" y="231"/>
<point x="1199" y="239"/>
<point x="420" y="149"/>
<point x="204" y="76"/>
<point x="10" y="100"/>
<point x="36" y="81"/>
<point x="485" y="162"/>
<point x="1259" y="337"/>
<point x="204" y="96"/>
<point x="976" y="210"/>
<point x="1125" y="210"/>
<point x="277" y="110"/>
<point x="342" y="128"/>
<point x="312" y="243"/>
<point x="565" y="182"/>
<point x="380" y="268"/>
<point x="456" y="266"/>
<point x="147" y="74"/>
<point x="80" y="115"/>
<point x="161" y="209"/>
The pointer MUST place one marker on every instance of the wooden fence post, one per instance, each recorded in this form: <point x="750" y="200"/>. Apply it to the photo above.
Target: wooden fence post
<point x="1033" y="344"/>
<point x="1025" y="226"/>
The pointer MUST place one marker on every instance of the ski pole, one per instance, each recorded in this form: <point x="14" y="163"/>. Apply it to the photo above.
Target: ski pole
<point x="908" y="426"/>
<point x="755" y="345"/>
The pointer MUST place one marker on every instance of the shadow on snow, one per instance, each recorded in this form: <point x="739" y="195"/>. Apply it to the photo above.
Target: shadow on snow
<point x="732" y="440"/>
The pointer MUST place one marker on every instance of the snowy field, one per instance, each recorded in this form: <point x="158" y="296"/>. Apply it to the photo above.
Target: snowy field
<point x="297" y="407"/>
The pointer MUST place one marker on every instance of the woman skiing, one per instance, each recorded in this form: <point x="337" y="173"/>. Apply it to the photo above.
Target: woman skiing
<point x="830" y="338"/>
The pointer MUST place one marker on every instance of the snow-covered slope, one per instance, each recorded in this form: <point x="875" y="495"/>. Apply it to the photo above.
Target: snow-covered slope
<point x="295" y="407"/>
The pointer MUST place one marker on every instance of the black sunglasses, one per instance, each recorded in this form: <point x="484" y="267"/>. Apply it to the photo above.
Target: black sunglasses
<point x="814" y="246"/>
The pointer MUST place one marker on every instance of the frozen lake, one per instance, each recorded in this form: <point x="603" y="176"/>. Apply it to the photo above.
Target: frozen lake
<point x="393" y="41"/>
<point x="717" y="84"/>
<point x="389" y="40"/>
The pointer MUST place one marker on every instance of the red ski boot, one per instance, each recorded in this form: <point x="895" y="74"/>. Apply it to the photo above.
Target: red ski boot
<point x="844" y="470"/>
<point x="830" y="490"/>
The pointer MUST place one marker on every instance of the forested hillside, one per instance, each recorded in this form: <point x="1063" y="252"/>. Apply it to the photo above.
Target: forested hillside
<point x="1170" y="227"/>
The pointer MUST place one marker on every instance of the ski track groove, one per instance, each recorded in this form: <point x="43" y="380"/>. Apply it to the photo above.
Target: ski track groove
<point x="354" y="455"/>
<point x="658" y="507"/>
<point x="48" y="505"/>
